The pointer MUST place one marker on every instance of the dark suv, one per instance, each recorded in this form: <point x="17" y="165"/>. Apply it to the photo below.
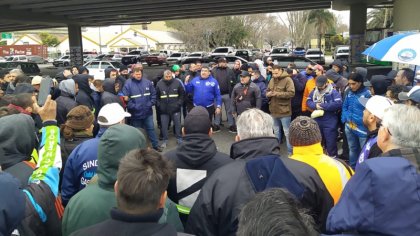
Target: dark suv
<point x="134" y="56"/>
<point x="29" y="68"/>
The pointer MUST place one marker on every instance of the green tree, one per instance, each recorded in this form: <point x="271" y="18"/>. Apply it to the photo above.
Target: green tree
<point x="324" y="21"/>
<point x="380" y="18"/>
<point x="49" y="39"/>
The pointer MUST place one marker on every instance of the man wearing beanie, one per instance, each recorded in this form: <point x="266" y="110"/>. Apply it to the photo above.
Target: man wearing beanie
<point x="257" y="167"/>
<point x="325" y="102"/>
<point x="195" y="159"/>
<point x="82" y="162"/>
<point x="305" y="137"/>
<point x="352" y="116"/>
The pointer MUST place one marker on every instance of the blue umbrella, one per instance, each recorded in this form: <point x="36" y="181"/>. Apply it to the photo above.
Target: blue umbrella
<point x="402" y="48"/>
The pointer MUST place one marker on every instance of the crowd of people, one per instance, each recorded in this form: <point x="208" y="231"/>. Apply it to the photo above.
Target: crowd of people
<point x="87" y="160"/>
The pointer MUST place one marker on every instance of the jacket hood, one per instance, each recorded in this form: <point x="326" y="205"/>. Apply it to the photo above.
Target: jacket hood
<point x="380" y="84"/>
<point x="117" y="141"/>
<point x="382" y="198"/>
<point x="23" y="88"/>
<point x="80" y="69"/>
<point x="196" y="149"/>
<point x="12" y="204"/>
<point x="17" y="139"/>
<point x="109" y="86"/>
<point x="332" y="75"/>
<point x="254" y="147"/>
<point x="361" y="71"/>
<point x="68" y="86"/>
<point x="107" y="72"/>
<point x="83" y="83"/>
<point x="283" y="75"/>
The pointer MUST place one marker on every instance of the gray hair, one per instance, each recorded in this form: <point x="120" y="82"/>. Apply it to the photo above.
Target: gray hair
<point x="254" y="123"/>
<point x="402" y="123"/>
<point x="16" y="71"/>
<point x="167" y="72"/>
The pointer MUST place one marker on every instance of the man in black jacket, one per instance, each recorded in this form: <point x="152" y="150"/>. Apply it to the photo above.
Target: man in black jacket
<point x="110" y="92"/>
<point x="195" y="160"/>
<point x="225" y="77"/>
<point x="170" y="96"/>
<point x="258" y="167"/>
<point x="142" y="179"/>
<point x="245" y="95"/>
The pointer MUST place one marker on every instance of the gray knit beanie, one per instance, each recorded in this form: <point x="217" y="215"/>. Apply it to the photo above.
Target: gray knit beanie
<point x="304" y="131"/>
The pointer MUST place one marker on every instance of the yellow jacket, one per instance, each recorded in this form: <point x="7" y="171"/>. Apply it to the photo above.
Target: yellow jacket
<point x="332" y="172"/>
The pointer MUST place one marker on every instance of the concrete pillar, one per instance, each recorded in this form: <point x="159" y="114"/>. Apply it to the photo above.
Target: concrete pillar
<point x="406" y="15"/>
<point x="358" y="19"/>
<point x="75" y="43"/>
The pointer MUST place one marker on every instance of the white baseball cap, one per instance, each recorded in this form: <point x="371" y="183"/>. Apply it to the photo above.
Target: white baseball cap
<point x="376" y="105"/>
<point x="36" y="80"/>
<point x="112" y="114"/>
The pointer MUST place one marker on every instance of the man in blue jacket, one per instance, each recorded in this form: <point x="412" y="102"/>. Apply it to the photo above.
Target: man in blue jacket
<point x="83" y="161"/>
<point x="140" y="95"/>
<point x="325" y="102"/>
<point x="206" y="92"/>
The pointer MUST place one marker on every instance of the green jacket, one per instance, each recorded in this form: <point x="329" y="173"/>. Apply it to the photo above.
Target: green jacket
<point x="93" y="204"/>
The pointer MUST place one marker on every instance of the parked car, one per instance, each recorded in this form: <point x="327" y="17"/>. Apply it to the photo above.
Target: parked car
<point x="245" y="54"/>
<point x="62" y="61"/>
<point x="197" y="56"/>
<point x="37" y="59"/>
<point x="316" y="55"/>
<point x="176" y="58"/>
<point x="2" y="59"/>
<point x="134" y="56"/>
<point x="299" y="52"/>
<point x="280" y="51"/>
<point x="341" y="52"/>
<point x="222" y="51"/>
<point x="156" y="59"/>
<point x="231" y="60"/>
<point x="117" y="57"/>
<point x="97" y="68"/>
<point x="17" y="58"/>
<point x="300" y="62"/>
<point x="29" y="68"/>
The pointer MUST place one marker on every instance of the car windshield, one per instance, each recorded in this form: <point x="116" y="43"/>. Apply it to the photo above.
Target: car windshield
<point x="65" y="57"/>
<point x="222" y="50"/>
<point x="134" y="53"/>
<point x="195" y="55"/>
<point x="10" y="59"/>
<point x="176" y="55"/>
<point x="313" y="52"/>
<point x="299" y="49"/>
<point x="279" y="50"/>
<point x="116" y="64"/>
<point x="343" y="51"/>
<point x="154" y="54"/>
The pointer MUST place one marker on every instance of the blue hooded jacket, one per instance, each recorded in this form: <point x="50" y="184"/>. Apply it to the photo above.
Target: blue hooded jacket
<point x="352" y="114"/>
<point x="80" y="167"/>
<point x="205" y="91"/>
<point x="382" y="198"/>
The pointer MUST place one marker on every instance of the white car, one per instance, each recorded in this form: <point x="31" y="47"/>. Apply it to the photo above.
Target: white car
<point x="315" y="55"/>
<point x="97" y="68"/>
<point x="280" y="51"/>
<point x="341" y="52"/>
<point x="222" y="51"/>
<point x="176" y="57"/>
<point x="22" y="58"/>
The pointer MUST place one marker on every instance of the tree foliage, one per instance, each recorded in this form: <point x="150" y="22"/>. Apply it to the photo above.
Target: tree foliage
<point x="380" y="18"/>
<point x="297" y="23"/>
<point x="324" y="21"/>
<point x="49" y="39"/>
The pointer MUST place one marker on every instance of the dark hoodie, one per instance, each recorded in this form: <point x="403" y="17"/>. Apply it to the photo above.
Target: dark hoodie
<point x="196" y="152"/>
<point x="380" y="84"/>
<point x="66" y="101"/>
<point x="17" y="142"/>
<point x="84" y="97"/>
<point x="93" y="204"/>
<point x="109" y="95"/>
<point x="254" y="147"/>
<point x="24" y="88"/>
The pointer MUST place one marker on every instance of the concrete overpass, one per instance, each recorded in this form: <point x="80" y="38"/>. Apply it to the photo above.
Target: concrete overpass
<point x="36" y="14"/>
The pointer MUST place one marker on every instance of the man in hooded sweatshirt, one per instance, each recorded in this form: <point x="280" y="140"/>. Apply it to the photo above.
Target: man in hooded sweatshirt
<point x="110" y="95"/>
<point x="67" y="99"/>
<point x="84" y="94"/>
<point x="195" y="159"/>
<point x="92" y="205"/>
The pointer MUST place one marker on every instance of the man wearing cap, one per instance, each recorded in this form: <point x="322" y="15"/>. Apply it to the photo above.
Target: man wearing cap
<point x="206" y="91"/>
<point x="373" y="115"/>
<point x="412" y="97"/>
<point x="325" y="102"/>
<point x="226" y="78"/>
<point x="308" y="72"/>
<point x="36" y="82"/>
<point x="378" y="84"/>
<point x="82" y="162"/>
<point x="195" y="159"/>
<point x="245" y="95"/>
